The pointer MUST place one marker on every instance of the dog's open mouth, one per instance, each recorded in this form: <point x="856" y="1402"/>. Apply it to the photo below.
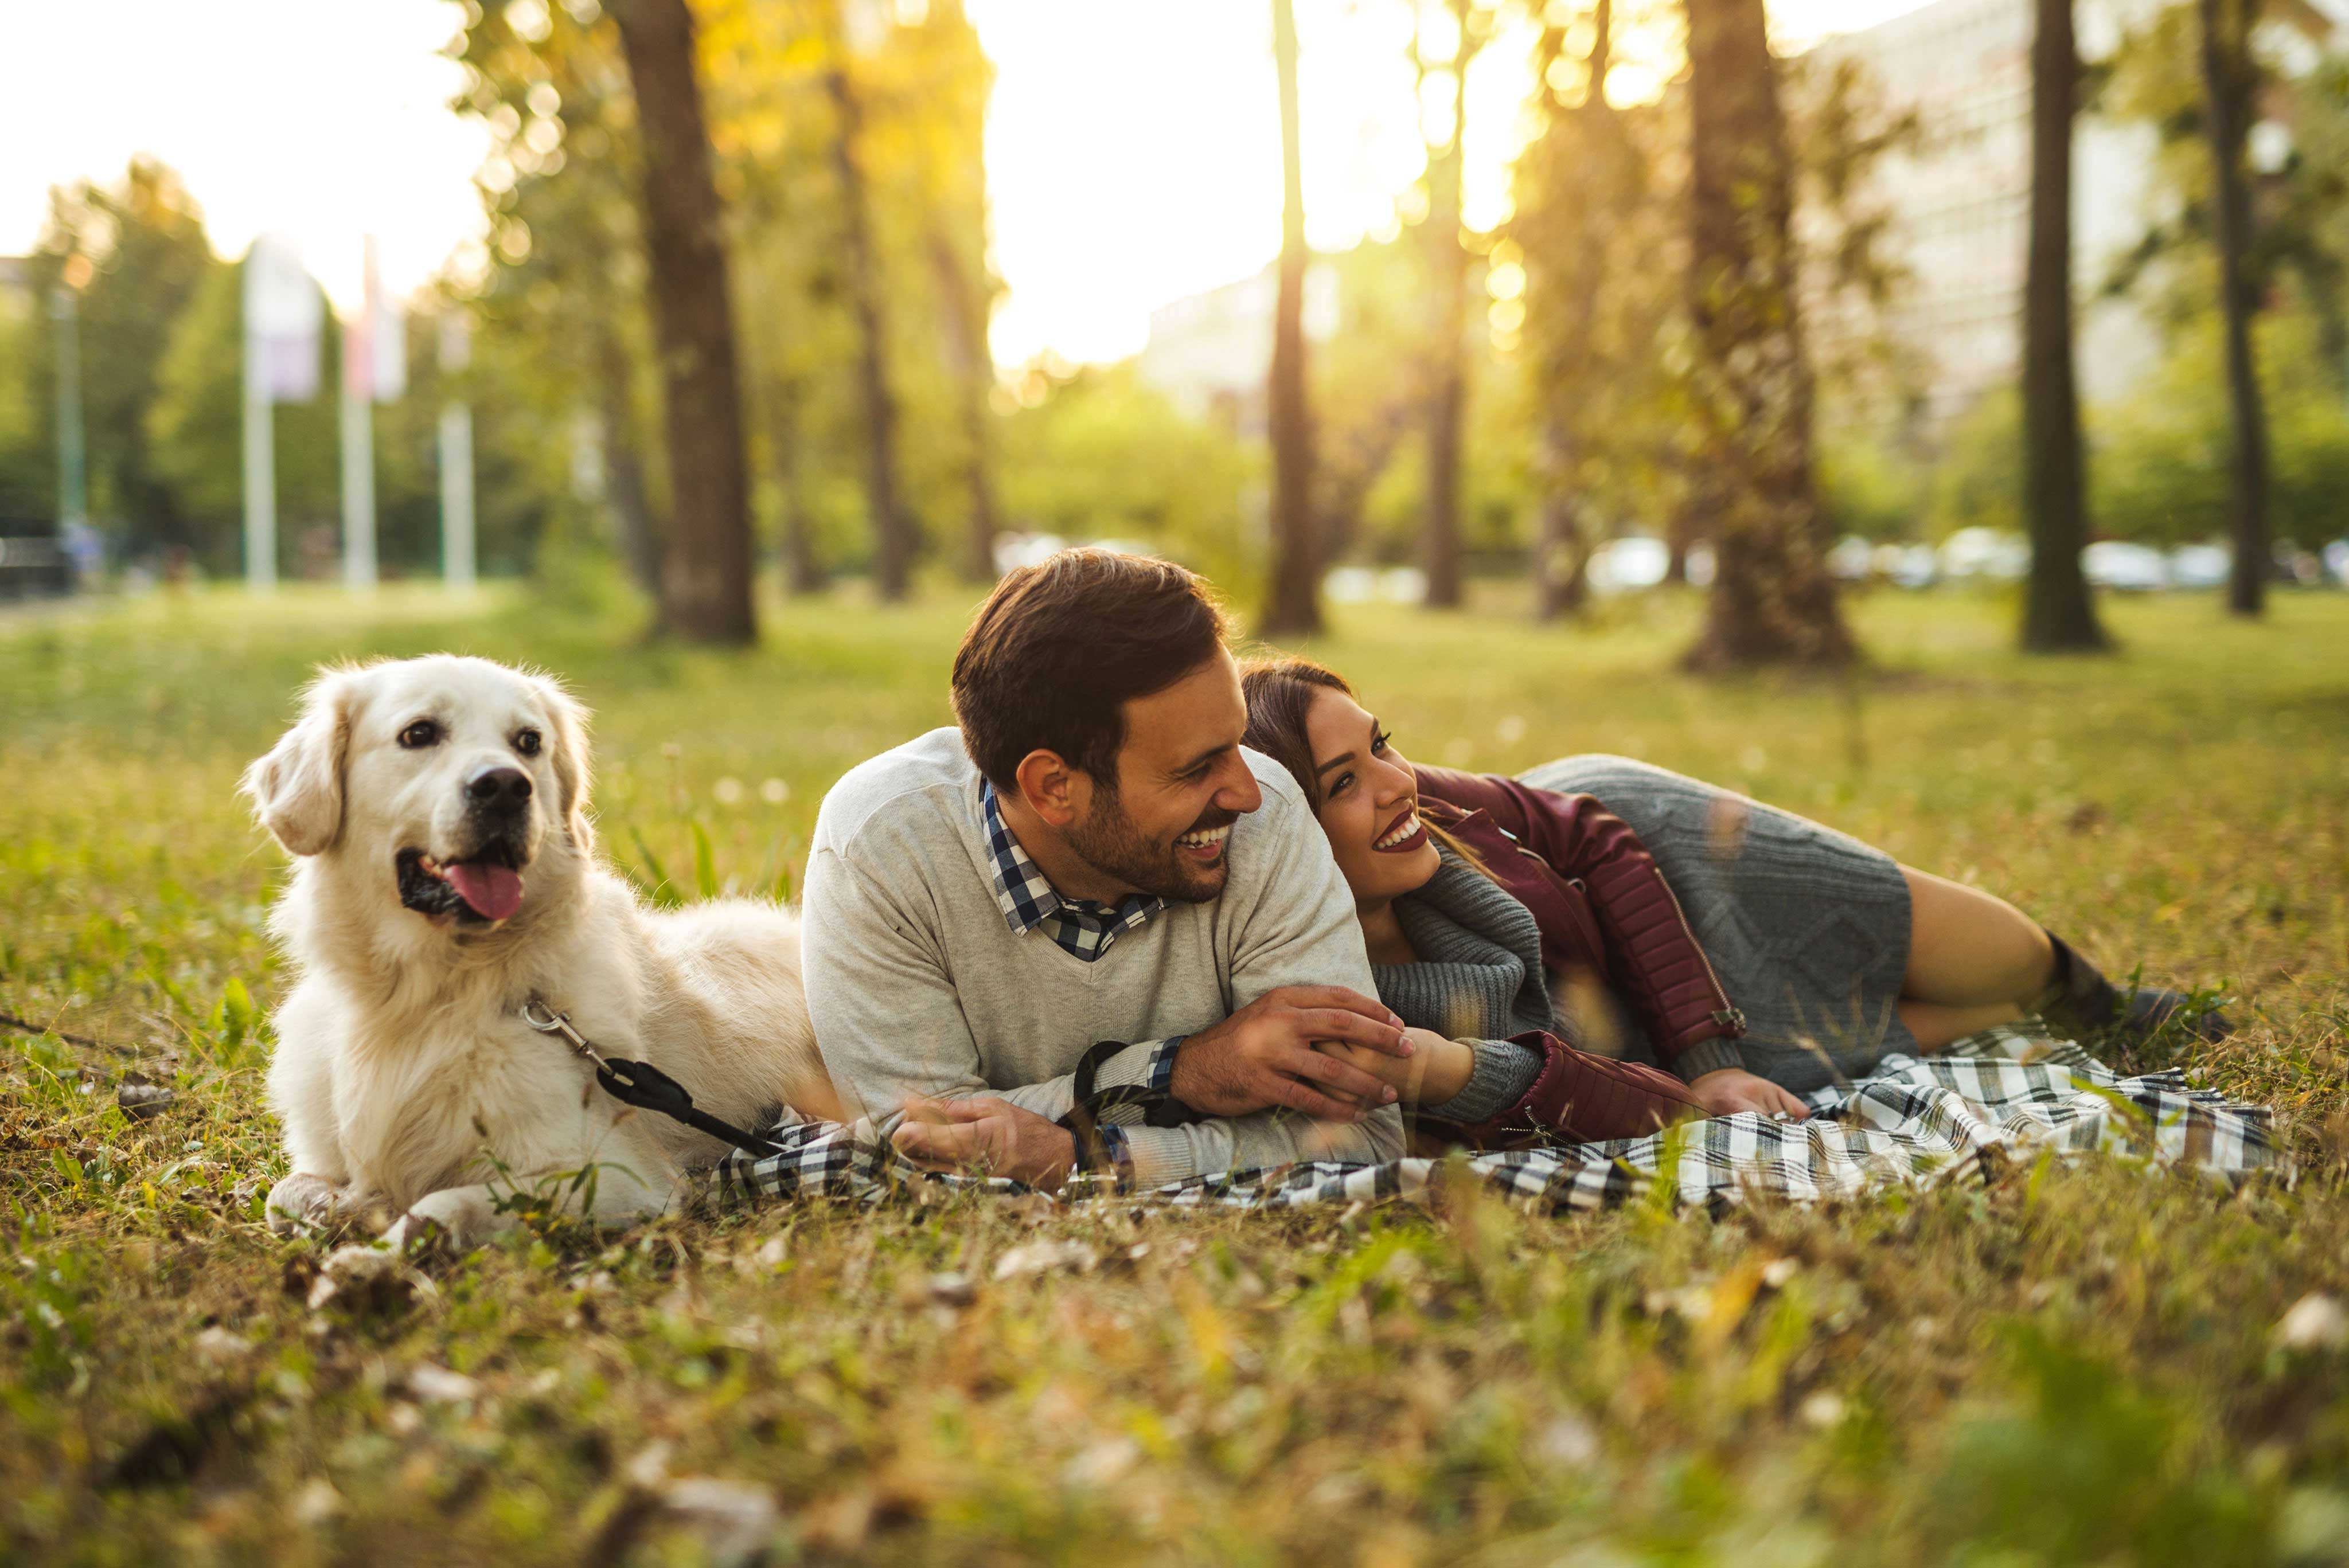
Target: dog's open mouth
<point x="481" y="890"/>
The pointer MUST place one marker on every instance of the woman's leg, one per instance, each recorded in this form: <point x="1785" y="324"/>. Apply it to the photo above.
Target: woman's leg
<point x="1937" y="1025"/>
<point x="1969" y="949"/>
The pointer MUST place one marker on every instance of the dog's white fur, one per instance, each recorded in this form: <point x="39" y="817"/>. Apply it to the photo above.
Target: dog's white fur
<point x="404" y="1073"/>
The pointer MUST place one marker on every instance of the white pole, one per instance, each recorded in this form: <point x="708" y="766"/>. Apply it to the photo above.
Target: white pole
<point x="359" y="486"/>
<point x="260" y="467"/>
<point x="457" y="566"/>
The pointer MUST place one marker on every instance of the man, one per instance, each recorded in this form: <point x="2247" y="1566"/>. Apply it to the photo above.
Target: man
<point x="1085" y="927"/>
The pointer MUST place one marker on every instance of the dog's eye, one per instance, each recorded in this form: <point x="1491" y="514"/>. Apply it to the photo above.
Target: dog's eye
<point x="526" y="742"/>
<point x="424" y="732"/>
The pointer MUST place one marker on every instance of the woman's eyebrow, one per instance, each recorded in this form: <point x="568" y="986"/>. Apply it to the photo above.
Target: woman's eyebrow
<point x="1334" y="761"/>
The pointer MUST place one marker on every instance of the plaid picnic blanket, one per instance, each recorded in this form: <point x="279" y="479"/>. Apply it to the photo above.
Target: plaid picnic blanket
<point x="1997" y="1095"/>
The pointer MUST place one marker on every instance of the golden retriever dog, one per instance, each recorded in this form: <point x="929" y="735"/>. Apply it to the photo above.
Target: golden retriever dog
<point x="444" y="877"/>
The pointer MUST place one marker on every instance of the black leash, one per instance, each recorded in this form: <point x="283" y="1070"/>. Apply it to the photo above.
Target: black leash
<point x="643" y="1085"/>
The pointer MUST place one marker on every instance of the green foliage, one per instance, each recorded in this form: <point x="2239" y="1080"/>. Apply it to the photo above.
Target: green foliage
<point x="1978" y="480"/>
<point x="1101" y="456"/>
<point x="2160" y="456"/>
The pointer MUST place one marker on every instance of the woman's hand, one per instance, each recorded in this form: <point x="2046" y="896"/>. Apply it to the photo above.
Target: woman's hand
<point x="1725" y="1091"/>
<point x="1436" y="1070"/>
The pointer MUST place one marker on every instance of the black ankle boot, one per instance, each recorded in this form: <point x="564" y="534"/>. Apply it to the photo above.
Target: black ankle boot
<point x="2082" y="999"/>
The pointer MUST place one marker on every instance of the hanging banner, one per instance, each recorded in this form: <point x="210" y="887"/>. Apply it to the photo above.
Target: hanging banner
<point x="375" y="343"/>
<point x="282" y="313"/>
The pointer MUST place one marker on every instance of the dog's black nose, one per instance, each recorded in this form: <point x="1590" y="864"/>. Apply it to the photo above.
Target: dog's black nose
<point x="499" y="789"/>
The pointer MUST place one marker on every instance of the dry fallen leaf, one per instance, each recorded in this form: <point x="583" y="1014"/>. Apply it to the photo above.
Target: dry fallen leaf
<point x="438" y="1385"/>
<point x="2316" y="1322"/>
<point x="1043" y="1257"/>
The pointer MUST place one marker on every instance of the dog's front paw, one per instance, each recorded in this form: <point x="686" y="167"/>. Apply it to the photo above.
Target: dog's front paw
<point x="305" y="1202"/>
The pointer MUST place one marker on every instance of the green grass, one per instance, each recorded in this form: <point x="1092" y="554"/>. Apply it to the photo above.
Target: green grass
<point x="2077" y="1366"/>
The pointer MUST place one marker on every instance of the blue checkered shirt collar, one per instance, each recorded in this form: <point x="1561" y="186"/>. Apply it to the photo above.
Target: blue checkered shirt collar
<point x="1081" y="926"/>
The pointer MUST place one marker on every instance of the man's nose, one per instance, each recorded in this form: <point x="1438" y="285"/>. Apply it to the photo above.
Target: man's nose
<point x="1240" y="792"/>
<point x="499" y="789"/>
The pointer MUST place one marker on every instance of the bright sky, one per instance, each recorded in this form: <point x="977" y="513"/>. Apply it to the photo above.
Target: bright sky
<point x="1133" y="152"/>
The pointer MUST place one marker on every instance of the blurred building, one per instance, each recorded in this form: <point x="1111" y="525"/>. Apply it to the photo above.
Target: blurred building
<point x="1963" y="202"/>
<point x="1210" y="353"/>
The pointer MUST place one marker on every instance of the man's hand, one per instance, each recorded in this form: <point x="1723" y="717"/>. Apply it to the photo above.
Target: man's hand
<point x="1724" y="1091"/>
<point x="1263" y="1056"/>
<point x="991" y="1137"/>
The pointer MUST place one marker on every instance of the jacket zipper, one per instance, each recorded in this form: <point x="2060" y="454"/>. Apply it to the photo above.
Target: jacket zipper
<point x="1729" y="1017"/>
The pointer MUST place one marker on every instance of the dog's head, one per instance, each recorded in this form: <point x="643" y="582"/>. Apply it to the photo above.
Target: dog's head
<point x="449" y="778"/>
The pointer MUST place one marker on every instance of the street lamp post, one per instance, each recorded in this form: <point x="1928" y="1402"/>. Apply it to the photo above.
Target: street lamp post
<point x="73" y="481"/>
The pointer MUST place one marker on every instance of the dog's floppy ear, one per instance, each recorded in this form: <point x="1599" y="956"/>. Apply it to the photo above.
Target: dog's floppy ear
<point x="567" y="718"/>
<point x="297" y="789"/>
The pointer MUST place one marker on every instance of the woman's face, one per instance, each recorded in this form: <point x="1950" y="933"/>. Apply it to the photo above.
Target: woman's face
<point x="1368" y="801"/>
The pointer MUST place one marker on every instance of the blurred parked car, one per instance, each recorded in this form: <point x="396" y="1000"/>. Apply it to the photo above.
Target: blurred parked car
<point x="1375" y="585"/>
<point x="1635" y="561"/>
<point x="1910" y="565"/>
<point x="2202" y="566"/>
<point x="2335" y="557"/>
<point x="1985" y="552"/>
<point x="2127" y="568"/>
<point x="1852" y="558"/>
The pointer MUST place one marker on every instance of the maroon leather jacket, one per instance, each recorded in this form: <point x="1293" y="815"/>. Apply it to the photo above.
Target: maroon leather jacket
<point x="1602" y="906"/>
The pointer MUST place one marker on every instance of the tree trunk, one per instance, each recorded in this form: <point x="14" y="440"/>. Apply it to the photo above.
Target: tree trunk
<point x="1447" y="405"/>
<point x="974" y="371"/>
<point x="706" y="571"/>
<point x="2058" y="615"/>
<point x="1294" y="606"/>
<point x="2230" y="84"/>
<point x="1562" y="552"/>
<point x="1346" y="470"/>
<point x="893" y="533"/>
<point x="804" y="571"/>
<point x="624" y="488"/>
<point x="1773" y="599"/>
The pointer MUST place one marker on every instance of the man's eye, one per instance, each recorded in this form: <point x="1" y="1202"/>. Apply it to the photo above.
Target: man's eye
<point x="526" y="742"/>
<point x="424" y="732"/>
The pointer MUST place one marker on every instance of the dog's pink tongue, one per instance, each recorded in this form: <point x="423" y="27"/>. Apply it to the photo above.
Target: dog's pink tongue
<point x="493" y="890"/>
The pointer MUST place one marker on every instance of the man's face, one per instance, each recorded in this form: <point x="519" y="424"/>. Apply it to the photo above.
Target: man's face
<point x="1181" y="785"/>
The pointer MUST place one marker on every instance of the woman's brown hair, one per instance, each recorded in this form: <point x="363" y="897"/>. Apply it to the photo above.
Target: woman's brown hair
<point x="1280" y="693"/>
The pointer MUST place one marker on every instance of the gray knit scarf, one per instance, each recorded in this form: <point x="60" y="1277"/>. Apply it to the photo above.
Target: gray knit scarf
<point x="1480" y="971"/>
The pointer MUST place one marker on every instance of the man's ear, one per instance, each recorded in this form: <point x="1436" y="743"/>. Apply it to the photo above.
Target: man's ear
<point x="568" y="746"/>
<point x="297" y="789"/>
<point x="1053" y="789"/>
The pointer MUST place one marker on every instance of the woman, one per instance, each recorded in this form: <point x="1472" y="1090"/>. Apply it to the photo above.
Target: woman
<point x="1501" y="912"/>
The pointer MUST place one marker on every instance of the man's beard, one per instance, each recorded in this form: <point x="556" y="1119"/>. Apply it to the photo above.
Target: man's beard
<point x="1113" y="846"/>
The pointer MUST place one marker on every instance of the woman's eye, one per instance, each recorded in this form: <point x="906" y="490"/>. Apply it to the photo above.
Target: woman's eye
<point x="1379" y="743"/>
<point x="526" y="742"/>
<point x="1345" y="782"/>
<point x="422" y="733"/>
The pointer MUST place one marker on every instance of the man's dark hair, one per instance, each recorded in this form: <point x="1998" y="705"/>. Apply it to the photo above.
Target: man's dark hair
<point x="1060" y="646"/>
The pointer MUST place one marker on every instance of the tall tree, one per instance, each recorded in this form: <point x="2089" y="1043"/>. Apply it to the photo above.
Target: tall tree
<point x="2057" y="612"/>
<point x="894" y="538"/>
<point x="2230" y="86"/>
<point x="1448" y="263"/>
<point x="707" y="573"/>
<point x="1575" y="183"/>
<point x="136" y="256"/>
<point x="1293" y="607"/>
<point x="1773" y="599"/>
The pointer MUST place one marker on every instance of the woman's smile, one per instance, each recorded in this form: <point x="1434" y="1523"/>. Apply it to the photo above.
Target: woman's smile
<point x="1405" y="834"/>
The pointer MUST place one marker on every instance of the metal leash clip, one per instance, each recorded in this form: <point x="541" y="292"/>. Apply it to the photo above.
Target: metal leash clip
<point x="547" y="1021"/>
